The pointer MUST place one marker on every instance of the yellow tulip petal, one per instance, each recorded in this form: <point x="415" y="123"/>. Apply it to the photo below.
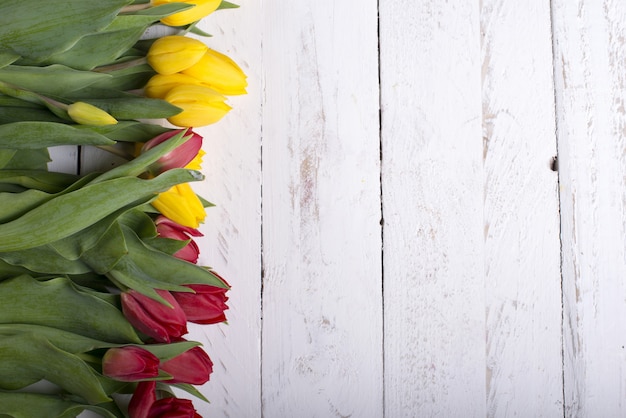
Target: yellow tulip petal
<point x="86" y="114"/>
<point x="159" y="85"/>
<point x="219" y="72"/>
<point x="182" y="205"/>
<point x="173" y="54"/>
<point x="201" y="9"/>
<point x="201" y="105"/>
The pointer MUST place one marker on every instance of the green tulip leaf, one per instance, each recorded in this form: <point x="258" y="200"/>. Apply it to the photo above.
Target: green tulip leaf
<point x="170" y="270"/>
<point x="60" y="217"/>
<point x="142" y="163"/>
<point x="6" y="155"/>
<point x="29" y="405"/>
<point x="20" y="113"/>
<point x="168" y="351"/>
<point x="56" y="302"/>
<point x="64" y="340"/>
<point x="51" y="80"/>
<point x="134" y="107"/>
<point x="191" y="390"/>
<point x="36" y="29"/>
<point x="7" y="58"/>
<point x="44" y="181"/>
<point x="128" y="131"/>
<point x="28" y="358"/>
<point x="227" y="5"/>
<point x="44" y="259"/>
<point x="29" y="159"/>
<point x="30" y="135"/>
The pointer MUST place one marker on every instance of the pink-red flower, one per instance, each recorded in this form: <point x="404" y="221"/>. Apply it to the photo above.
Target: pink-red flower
<point x="205" y="306"/>
<point x="156" y="320"/>
<point x="193" y="366"/>
<point x="167" y="228"/>
<point x="173" y="408"/>
<point x="130" y="364"/>
<point x="178" y="157"/>
<point x="144" y="404"/>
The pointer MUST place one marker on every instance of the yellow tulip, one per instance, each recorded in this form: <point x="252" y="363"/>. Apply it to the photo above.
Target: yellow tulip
<point x="173" y="54"/>
<point x="201" y="105"/>
<point x="86" y="114"/>
<point x="196" y="163"/>
<point x="159" y="85"/>
<point x="219" y="72"/>
<point x="201" y="9"/>
<point x="181" y="205"/>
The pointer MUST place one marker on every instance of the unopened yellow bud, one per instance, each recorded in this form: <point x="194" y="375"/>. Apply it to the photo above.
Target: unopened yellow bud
<point x="201" y="105"/>
<point x="86" y="114"/>
<point x="201" y="9"/>
<point x="219" y="72"/>
<point x="173" y="54"/>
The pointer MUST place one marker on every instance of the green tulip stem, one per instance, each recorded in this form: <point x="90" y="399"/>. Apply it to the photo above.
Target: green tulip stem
<point x="56" y="107"/>
<point x="121" y="65"/>
<point x="116" y="151"/>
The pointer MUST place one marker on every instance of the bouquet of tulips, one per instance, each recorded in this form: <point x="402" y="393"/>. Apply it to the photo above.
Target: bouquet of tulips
<point x="98" y="271"/>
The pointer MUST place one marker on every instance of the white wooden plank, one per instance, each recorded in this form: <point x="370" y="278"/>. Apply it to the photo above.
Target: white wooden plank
<point x="64" y="159"/>
<point x="232" y="230"/>
<point x="322" y="301"/>
<point x="521" y="215"/>
<point x="590" y="69"/>
<point x="432" y="206"/>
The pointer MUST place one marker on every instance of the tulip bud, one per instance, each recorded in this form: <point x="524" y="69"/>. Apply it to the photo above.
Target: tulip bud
<point x="181" y="205"/>
<point x="220" y="73"/>
<point x="173" y="408"/>
<point x="173" y="54"/>
<point x="202" y="8"/>
<point x="193" y="366"/>
<point x="159" y="85"/>
<point x="201" y="105"/>
<point x="130" y="364"/>
<point x="167" y="228"/>
<point x="205" y="306"/>
<point x="153" y="318"/>
<point x="178" y="157"/>
<point x="142" y="400"/>
<point x="86" y="114"/>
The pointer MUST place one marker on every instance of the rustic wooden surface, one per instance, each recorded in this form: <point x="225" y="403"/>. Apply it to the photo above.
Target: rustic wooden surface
<point x="389" y="213"/>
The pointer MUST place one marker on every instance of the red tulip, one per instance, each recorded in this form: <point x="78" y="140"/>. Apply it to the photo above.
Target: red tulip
<point x="173" y="408"/>
<point x="178" y="157"/>
<point x="152" y="317"/>
<point x="130" y="364"/>
<point x="142" y="399"/>
<point x="143" y="404"/>
<point x="167" y="228"/>
<point x="193" y="366"/>
<point x="206" y="306"/>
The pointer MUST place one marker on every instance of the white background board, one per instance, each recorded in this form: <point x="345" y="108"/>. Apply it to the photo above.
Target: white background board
<point x="390" y="218"/>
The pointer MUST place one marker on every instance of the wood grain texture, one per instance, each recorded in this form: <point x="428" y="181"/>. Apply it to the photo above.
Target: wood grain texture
<point x="590" y="69"/>
<point x="521" y="215"/>
<point x="232" y="230"/>
<point x="433" y="207"/>
<point x="322" y="294"/>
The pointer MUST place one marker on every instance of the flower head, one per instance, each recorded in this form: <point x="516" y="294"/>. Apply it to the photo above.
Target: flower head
<point x="202" y="8"/>
<point x="219" y="72"/>
<point x="179" y="157"/>
<point x="86" y="114"/>
<point x="181" y="205"/>
<point x="193" y="366"/>
<point x="159" y="85"/>
<point x="167" y="228"/>
<point x="200" y="105"/>
<point x="144" y="404"/>
<point x="130" y="364"/>
<point x="205" y="306"/>
<point x="173" y="54"/>
<point x="153" y="318"/>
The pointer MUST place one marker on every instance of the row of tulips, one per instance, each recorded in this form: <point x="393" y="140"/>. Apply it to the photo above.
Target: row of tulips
<point x="98" y="271"/>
